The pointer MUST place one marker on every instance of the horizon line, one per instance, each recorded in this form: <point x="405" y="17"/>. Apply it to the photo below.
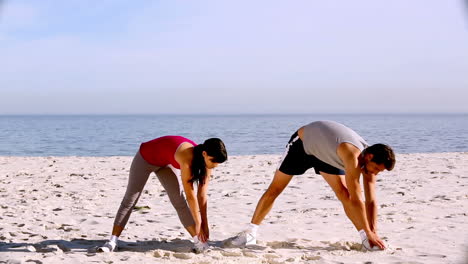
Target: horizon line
<point x="230" y="114"/>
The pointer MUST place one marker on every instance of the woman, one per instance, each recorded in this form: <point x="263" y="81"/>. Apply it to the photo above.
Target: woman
<point x="194" y="161"/>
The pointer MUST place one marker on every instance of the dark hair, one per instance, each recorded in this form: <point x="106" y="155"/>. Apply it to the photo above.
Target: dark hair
<point x="383" y="154"/>
<point x="215" y="148"/>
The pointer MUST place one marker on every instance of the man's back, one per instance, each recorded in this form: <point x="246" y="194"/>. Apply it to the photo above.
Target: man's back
<point x="322" y="138"/>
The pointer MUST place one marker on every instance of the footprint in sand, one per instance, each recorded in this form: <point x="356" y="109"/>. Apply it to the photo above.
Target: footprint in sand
<point x="433" y="255"/>
<point x="281" y="244"/>
<point x="274" y="261"/>
<point x="33" y="261"/>
<point x="13" y="261"/>
<point x="344" y="245"/>
<point x="231" y="254"/>
<point x="271" y="256"/>
<point x="182" y="255"/>
<point x="310" y="257"/>
<point x="249" y="254"/>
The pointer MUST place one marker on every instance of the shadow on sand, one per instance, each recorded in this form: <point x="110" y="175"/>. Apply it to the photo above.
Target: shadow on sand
<point x="175" y="245"/>
<point x="90" y="246"/>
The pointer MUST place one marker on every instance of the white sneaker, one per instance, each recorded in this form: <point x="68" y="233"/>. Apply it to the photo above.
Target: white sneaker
<point x="244" y="238"/>
<point x="199" y="247"/>
<point x="109" y="246"/>
<point x="366" y="245"/>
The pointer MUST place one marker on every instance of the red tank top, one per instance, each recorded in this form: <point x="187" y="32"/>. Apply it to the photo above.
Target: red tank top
<point x="161" y="151"/>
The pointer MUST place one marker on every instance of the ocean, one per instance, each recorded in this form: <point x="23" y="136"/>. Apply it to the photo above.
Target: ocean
<point x="121" y="135"/>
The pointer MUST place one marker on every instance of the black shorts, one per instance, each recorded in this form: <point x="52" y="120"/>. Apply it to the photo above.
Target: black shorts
<point x="296" y="162"/>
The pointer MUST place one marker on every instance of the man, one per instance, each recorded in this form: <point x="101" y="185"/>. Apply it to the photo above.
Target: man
<point x="340" y="155"/>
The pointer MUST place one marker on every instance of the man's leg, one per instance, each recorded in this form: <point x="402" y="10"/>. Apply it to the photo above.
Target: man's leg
<point x="338" y="184"/>
<point x="280" y="181"/>
<point x="291" y="162"/>
<point x="249" y="236"/>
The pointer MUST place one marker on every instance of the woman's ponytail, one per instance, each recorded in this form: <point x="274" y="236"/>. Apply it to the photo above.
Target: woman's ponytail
<point x="198" y="165"/>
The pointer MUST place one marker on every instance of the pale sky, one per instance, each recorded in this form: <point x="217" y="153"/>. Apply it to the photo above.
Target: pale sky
<point x="233" y="57"/>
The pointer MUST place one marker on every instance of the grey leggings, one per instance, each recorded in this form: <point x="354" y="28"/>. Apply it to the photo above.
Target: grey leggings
<point x="139" y="173"/>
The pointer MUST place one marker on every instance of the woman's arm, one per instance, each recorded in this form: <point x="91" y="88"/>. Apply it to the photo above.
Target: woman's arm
<point x="186" y="175"/>
<point x="203" y="204"/>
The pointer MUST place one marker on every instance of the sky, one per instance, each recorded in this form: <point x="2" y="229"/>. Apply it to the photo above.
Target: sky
<point x="233" y="57"/>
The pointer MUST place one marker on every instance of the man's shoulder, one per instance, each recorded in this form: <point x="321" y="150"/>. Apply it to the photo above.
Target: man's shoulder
<point x="348" y="152"/>
<point x="349" y="148"/>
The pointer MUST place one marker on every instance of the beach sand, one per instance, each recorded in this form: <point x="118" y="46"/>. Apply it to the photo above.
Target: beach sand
<point x="59" y="209"/>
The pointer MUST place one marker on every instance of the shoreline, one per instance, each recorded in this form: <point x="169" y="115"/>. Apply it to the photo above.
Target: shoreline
<point x="57" y="209"/>
<point x="243" y="155"/>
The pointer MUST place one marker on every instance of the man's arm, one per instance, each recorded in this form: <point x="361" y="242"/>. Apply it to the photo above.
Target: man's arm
<point x="349" y="155"/>
<point x="371" y="203"/>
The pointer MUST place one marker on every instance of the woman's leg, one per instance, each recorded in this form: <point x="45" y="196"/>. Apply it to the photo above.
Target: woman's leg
<point x="171" y="184"/>
<point x="139" y="173"/>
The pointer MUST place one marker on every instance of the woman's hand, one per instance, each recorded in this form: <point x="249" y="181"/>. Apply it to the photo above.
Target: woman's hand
<point x="204" y="233"/>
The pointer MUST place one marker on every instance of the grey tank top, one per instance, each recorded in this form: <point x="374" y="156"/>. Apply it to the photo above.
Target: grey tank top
<point x="322" y="138"/>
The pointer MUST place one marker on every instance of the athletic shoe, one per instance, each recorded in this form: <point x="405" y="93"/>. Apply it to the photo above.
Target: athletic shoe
<point x="365" y="242"/>
<point x="366" y="245"/>
<point x="199" y="247"/>
<point x="244" y="238"/>
<point x="109" y="246"/>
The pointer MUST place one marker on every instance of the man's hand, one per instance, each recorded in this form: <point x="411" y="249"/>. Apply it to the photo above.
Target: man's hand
<point x="374" y="240"/>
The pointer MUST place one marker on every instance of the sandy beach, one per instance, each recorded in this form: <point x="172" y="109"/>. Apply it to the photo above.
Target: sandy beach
<point x="59" y="209"/>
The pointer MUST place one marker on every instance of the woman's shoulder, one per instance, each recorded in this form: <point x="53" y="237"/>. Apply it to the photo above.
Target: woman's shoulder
<point x="171" y="139"/>
<point x="184" y="154"/>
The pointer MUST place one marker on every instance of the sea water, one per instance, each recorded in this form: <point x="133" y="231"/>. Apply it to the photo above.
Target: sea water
<point x="121" y="135"/>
